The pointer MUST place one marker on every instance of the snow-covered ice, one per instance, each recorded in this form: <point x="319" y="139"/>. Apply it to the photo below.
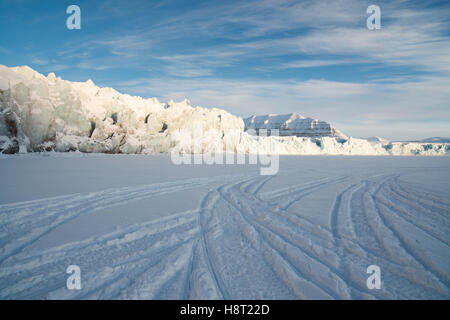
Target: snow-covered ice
<point x="140" y="227"/>
<point x="47" y="113"/>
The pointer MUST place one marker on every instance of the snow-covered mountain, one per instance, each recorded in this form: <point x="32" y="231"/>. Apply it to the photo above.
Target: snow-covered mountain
<point x="377" y="139"/>
<point x="46" y="113"/>
<point x="292" y="124"/>
<point x="436" y="140"/>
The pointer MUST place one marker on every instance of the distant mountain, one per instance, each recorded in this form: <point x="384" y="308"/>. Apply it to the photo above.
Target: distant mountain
<point x="292" y="124"/>
<point x="376" y="139"/>
<point x="428" y="140"/>
<point x="436" y="140"/>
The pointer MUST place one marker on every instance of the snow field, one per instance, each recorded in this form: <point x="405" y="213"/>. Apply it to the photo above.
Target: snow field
<point x="309" y="232"/>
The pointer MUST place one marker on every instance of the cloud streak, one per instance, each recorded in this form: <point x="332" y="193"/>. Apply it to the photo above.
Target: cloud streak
<point x="358" y="109"/>
<point x="271" y="56"/>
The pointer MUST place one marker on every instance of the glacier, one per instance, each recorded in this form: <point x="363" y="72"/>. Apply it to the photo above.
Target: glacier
<point x="46" y="113"/>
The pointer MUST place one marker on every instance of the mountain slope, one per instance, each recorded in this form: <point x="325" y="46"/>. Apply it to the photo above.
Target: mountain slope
<point x="292" y="124"/>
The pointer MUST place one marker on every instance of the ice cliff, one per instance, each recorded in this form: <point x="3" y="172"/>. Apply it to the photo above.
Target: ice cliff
<point x="39" y="113"/>
<point x="46" y="113"/>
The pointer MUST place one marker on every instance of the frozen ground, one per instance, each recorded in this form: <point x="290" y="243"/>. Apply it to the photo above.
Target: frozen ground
<point x="142" y="228"/>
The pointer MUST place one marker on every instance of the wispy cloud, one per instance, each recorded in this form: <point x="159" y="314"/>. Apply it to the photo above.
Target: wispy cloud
<point x="93" y="65"/>
<point x="126" y="45"/>
<point x="271" y="56"/>
<point x="322" y="31"/>
<point x="358" y="109"/>
<point x="300" y="64"/>
<point x="39" y="61"/>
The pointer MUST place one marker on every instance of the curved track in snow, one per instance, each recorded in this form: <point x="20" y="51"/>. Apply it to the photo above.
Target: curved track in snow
<point x="240" y="243"/>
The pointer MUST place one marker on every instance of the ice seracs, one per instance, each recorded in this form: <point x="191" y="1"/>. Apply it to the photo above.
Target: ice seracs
<point x="44" y="113"/>
<point x="47" y="113"/>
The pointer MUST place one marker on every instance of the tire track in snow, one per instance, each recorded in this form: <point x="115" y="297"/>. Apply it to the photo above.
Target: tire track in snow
<point x="421" y="206"/>
<point x="274" y="227"/>
<point x="264" y="233"/>
<point x="188" y="277"/>
<point x="151" y="281"/>
<point x="337" y="208"/>
<point x="337" y="269"/>
<point x="426" y="273"/>
<point x="206" y="204"/>
<point x="423" y="195"/>
<point x="365" y="232"/>
<point x="237" y="266"/>
<point x="63" y="210"/>
<point x="349" y="258"/>
<point x="346" y="243"/>
<point x="389" y="240"/>
<point x="254" y="188"/>
<point x="424" y="224"/>
<point x="99" y="273"/>
<point x="410" y="250"/>
<point x="309" y="191"/>
<point x="255" y="259"/>
<point x="181" y="255"/>
<point x="115" y="240"/>
<point x="105" y="246"/>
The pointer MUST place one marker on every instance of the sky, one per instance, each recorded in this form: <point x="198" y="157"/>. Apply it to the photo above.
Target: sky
<point x="317" y="58"/>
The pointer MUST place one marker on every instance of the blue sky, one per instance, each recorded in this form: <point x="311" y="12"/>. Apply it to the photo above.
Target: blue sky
<point x="253" y="57"/>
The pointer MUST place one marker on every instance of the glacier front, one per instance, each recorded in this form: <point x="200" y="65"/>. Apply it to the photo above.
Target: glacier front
<point x="45" y="113"/>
